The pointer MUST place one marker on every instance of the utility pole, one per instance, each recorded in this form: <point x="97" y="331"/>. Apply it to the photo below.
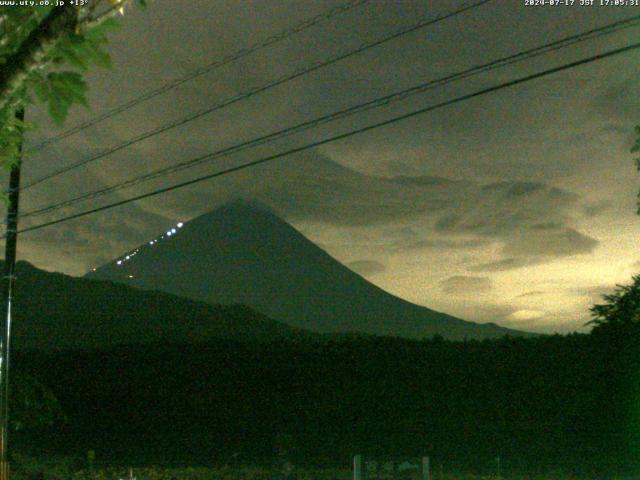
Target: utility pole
<point x="8" y="286"/>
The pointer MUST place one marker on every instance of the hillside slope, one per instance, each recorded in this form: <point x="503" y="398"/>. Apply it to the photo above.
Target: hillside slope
<point x="56" y="311"/>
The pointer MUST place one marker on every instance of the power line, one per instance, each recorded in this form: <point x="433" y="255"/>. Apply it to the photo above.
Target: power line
<point x="262" y="88"/>
<point x="271" y="40"/>
<point x="381" y="101"/>
<point x="342" y="136"/>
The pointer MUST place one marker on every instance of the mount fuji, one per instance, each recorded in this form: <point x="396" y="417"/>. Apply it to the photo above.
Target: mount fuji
<point x="243" y="253"/>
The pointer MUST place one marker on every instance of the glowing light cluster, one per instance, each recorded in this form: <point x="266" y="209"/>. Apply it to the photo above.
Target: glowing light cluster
<point x="129" y="256"/>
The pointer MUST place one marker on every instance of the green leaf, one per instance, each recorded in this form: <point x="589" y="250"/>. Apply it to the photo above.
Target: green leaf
<point x="102" y="59"/>
<point x="72" y="57"/>
<point x="60" y="90"/>
<point x="100" y="32"/>
<point x="65" y="89"/>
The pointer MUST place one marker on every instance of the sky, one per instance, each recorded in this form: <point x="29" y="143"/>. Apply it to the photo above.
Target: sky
<point x="516" y="207"/>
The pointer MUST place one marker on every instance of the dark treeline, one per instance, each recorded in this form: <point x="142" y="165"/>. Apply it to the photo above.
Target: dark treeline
<point x="562" y="403"/>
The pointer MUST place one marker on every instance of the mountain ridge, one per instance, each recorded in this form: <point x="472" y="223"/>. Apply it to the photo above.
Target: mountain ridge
<point x="245" y="253"/>
<point x="54" y="311"/>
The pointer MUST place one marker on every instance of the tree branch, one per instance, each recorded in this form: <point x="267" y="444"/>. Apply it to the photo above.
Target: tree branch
<point x="35" y="47"/>
<point x="116" y="7"/>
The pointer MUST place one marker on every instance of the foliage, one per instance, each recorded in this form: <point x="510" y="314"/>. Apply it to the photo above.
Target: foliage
<point x="11" y="131"/>
<point x="33" y="405"/>
<point x="543" y="403"/>
<point x="620" y="309"/>
<point x="58" y="77"/>
<point x="63" y="469"/>
<point x="189" y="473"/>
<point x="26" y="467"/>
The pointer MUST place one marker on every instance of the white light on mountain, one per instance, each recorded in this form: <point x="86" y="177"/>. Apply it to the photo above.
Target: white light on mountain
<point x="127" y="257"/>
<point x="173" y="230"/>
<point x="169" y="233"/>
<point x="151" y="242"/>
<point x="180" y="224"/>
<point x="119" y="262"/>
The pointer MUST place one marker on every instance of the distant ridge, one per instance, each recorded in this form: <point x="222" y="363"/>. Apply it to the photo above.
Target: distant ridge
<point x="243" y="253"/>
<point x="56" y="312"/>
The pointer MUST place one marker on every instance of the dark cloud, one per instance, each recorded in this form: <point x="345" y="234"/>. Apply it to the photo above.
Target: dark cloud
<point x="596" y="209"/>
<point x="91" y="241"/>
<point x="444" y="244"/>
<point x="311" y="186"/>
<point x="513" y="190"/>
<point x="502" y="265"/>
<point x="366" y="267"/>
<point x="620" y="99"/>
<point x="502" y="209"/>
<point x="540" y="243"/>
<point x="548" y="226"/>
<point x="462" y="285"/>
<point x="533" y="293"/>
<point x="407" y="238"/>
<point x="553" y="241"/>
<point x="411" y="213"/>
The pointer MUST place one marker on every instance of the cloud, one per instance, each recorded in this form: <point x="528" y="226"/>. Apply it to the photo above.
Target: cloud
<point x="76" y="246"/>
<point x="596" y="209"/>
<point x="553" y="242"/>
<point x="427" y="211"/>
<point x="463" y="285"/>
<point x="526" y="315"/>
<point x="503" y="208"/>
<point x="531" y="219"/>
<point x="594" y="293"/>
<point x="619" y="100"/>
<point x="311" y="186"/>
<point x="366" y="267"/>
<point x="501" y="265"/>
<point x="444" y="244"/>
<point x="539" y="244"/>
<point x="533" y="293"/>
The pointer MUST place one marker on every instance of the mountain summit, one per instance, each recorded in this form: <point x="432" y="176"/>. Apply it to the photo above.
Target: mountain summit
<point x="244" y="253"/>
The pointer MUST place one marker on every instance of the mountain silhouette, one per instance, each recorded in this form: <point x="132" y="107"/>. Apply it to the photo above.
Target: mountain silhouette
<point x="53" y="311"/>
<point x="243" y="253"/>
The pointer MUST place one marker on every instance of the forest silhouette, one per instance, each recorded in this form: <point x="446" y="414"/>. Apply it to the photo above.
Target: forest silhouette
<point x="550" y="403"/>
